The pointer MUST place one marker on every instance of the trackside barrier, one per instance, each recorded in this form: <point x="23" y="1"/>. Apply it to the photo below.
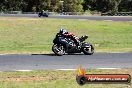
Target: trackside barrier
<point x="53" y="13"/>
<point x="71" y="13"/>
<point x="117" y="14"/>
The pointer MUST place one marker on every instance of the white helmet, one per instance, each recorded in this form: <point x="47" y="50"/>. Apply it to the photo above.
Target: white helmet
<point x="62" y="31"/>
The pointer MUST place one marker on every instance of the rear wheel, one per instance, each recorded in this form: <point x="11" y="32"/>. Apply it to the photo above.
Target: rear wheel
<point x="88" y="50"/>
<point x="39" y="15"/>
<point x="58" y="49"/>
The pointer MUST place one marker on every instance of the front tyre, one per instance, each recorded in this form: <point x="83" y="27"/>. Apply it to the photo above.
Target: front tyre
<point x="58" y="49"/>
<point x="47" y="16"/>
<point x="89" y="50"/>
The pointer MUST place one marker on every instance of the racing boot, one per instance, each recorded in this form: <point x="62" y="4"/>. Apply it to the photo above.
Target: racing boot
<point x="78" y="45"/>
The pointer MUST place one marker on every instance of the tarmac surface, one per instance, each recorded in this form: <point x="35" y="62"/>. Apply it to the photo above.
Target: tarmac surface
<point x="109" y="18"/>
<point x="52" y="62"/>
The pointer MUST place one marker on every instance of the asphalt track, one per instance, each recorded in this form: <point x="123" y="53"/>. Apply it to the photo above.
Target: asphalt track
<point x="52" y="62"/>
<point x="109" y="18"/>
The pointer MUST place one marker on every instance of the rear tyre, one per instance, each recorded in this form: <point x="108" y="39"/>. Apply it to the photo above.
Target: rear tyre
<point x="88" y="50"/>
<point x="58" y="49"/>
<point x="39" y="15"/>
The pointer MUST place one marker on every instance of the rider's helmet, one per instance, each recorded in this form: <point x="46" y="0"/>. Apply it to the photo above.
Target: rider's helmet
<point x="62" y="31"/>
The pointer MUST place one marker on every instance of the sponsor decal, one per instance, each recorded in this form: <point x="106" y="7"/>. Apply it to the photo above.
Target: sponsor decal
<point x="83" y="78"/>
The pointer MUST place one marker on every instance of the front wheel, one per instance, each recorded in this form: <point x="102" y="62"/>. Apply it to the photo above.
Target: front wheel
<point x="89" y="50"/>
<point x="47" y="16"/>
<point x="58" y="49"/>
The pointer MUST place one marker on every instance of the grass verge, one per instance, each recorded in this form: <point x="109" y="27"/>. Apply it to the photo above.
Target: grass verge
<point x="55" y="79"/>
<point x="35" y="35"/>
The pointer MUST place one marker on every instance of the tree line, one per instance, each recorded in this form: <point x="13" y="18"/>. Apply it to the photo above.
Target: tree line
<point x="66" y="5"/>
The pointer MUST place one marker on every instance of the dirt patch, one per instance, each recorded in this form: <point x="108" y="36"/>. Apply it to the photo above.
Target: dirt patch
<point x="18" y="18"/>
<point x="39" y="78"/>
<point x="29" y="78"/>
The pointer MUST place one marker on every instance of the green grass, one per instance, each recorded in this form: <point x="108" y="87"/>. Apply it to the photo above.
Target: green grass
<point x="55" y="79"/>
<point x="35" y="35"/>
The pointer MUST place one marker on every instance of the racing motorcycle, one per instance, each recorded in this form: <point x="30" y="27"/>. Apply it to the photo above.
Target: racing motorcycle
<point x="60" y="49"/>
<point x="43" y="14"/>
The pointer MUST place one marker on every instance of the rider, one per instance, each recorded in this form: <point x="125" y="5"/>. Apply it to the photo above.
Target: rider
<point x="64" y="34"/>
<point x="42" y="12"/>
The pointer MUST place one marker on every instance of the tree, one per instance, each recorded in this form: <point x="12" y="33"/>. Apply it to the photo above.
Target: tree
<point x="73" y="5"/>
<point x="55" y="5"/>
<point x="114" y="5"/>
<point x="11" y="5"/>
<point x="102" y="5"/>
<point x="2" y="6"/>
<point x="125" y="6"/>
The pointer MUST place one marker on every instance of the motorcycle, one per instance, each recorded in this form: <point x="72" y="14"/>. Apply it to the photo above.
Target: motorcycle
<point x="43" y="14"/>
<point x="60" y="49"/>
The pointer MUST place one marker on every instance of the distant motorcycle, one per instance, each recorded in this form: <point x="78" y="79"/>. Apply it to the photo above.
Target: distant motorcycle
<point x="60" y="49"/>
<point x="41" y="14"/>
